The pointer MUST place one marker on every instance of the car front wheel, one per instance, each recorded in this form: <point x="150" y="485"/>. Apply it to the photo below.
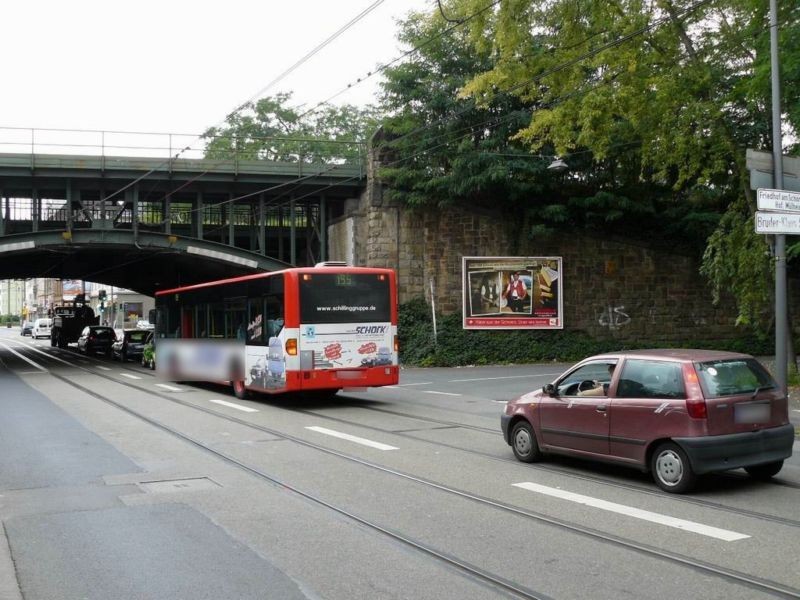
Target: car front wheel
<point x="671" y="469"/>
<point x="765" y="472"/>
<point x="524" y="444"/>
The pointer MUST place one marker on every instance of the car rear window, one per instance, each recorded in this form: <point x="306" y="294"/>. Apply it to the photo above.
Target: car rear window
<point x="104" y="333"/>
<point x="732" y="377"/>
<point x="651" y="379"/>
<point x="137" y="336"/>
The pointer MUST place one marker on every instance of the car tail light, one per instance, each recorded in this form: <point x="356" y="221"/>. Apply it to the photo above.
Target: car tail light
<point x="91" y="337"/>
<point x="291" y="347"/>
<point x="695" y="402"/>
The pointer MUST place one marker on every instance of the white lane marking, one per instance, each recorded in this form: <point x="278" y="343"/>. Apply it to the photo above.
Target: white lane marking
<point x="440" y="393"/>
<point x="408" y="384"/>
<point x="31" y="372"/>
<point x="102" y="368"/>
<point x="501" y="401"/>
<point x="129" y="376"/>
<point x="506" y="377"/>
<point x="25" y="358"/>
<point x="352" y="438"/>
<point x="793" y="410"/>
<point x="636" y="513"/>
<point x="171" y="388"/>
<point x="232" y="405"/>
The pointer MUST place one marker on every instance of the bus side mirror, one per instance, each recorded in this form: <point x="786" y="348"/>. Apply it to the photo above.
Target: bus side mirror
<point x="549" y="389"/>
<point x="152" y="315"/>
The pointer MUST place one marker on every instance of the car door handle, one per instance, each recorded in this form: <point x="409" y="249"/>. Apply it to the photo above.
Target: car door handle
<point x="601" y="408"/>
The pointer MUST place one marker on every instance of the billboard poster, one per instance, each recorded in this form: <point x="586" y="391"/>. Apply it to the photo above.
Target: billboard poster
<point x="71" y="288"/>
<point x="523" y="292"/>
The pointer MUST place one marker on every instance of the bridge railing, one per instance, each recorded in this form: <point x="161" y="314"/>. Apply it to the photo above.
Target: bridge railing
<point x="171" y="146"/>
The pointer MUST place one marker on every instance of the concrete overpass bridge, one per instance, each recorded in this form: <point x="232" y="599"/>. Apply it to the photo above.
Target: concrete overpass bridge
<point x="149" y="222"/>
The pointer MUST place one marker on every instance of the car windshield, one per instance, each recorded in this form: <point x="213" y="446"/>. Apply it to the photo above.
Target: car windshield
<point x="731" y="377"/>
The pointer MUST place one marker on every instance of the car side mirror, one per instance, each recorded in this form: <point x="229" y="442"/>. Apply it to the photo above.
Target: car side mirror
<point x="549" y="389"/>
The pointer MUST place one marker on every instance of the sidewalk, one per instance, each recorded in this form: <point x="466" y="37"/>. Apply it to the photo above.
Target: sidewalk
<point x="794" y="395"/>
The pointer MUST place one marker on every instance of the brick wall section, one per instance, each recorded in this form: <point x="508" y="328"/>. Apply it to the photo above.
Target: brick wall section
<point x="612" y="287"/>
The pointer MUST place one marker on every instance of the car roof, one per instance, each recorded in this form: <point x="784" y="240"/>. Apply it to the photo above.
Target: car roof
<point x="677" y="354"/>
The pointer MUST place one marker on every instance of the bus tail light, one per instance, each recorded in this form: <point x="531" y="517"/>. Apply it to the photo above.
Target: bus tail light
<point x="396" y="344"/>
<point x="291" y="347"/>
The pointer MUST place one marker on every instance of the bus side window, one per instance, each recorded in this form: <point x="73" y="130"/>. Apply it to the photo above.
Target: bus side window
<point x="274" y="314"/>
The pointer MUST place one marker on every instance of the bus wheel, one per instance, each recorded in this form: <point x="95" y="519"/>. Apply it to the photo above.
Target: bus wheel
<point x="240" y="391"/>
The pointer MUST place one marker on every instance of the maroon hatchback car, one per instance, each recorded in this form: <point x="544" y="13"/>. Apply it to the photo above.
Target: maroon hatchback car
<point x="675" y="413"/>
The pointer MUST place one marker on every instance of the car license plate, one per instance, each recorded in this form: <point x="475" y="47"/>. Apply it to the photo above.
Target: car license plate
<point x="752" y="412"/>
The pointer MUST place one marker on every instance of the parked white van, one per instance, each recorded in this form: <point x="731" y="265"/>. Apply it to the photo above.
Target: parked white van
<point x="41" y="328"/>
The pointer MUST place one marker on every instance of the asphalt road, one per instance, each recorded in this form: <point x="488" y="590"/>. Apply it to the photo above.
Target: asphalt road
<point x="114" y="484"/>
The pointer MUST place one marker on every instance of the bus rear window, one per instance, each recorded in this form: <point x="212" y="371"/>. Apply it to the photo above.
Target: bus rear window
<point x="344" y="298"/>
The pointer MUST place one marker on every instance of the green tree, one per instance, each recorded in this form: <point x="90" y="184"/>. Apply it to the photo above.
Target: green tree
<point x="667" y="93"/>
<point x="273" y="129"/>
<point x="459" y="133"/>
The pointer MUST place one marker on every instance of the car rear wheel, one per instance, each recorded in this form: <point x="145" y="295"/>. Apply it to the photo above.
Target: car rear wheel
<point x="765" y="472"/>
<point x="671" y="469"/>
<point x="524" y="444"/>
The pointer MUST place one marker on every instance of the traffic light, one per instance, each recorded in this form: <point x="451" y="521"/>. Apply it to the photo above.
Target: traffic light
<point x="101" y="295"/>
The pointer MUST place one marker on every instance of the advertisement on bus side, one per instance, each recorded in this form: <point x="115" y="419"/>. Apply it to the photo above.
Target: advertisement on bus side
<point x="348" y="345"/>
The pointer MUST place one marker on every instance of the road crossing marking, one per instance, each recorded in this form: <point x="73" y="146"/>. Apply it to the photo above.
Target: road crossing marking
<point x="232" y="405"/>
<point x="352" y="438"/>
<point x="129" y="376"/>
<point x="636" y="513"/>
<point x="25" y="358"/>
<point x="440" y="393"/>
<point x="171" y="388"/>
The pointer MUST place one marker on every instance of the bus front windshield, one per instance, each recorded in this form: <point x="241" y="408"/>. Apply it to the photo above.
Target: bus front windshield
<point x="344" y="298"/>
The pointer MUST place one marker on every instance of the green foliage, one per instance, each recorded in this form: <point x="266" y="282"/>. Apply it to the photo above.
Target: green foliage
<point x="653" y="105"/>
<point x="272" y="129"/>
<point x="13" y="319"/>
<point x="459" y="347"/>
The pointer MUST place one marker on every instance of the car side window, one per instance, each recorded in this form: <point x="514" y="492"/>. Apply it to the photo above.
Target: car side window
<point x="651" y="379"/>
<point x="592" y="379"/>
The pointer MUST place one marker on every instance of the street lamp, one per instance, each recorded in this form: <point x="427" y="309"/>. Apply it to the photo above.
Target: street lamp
<point x="558" y="165"/>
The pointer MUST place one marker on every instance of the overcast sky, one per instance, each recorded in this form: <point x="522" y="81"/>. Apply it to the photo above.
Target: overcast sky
<point x="181" y="65"/>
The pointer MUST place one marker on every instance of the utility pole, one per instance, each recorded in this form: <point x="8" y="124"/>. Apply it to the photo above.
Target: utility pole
<point x="781" y="309"/>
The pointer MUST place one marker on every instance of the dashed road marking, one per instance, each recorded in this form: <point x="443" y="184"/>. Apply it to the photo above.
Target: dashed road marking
<point x="129" y="376"/>
<point x="352" y="438"/>
<point x="439" y="393"/>
<point x="636" y="513"/>
<point x="505" y="377"/>
<point x="170" y="388"/>
<point x="232" y="405"/>
<point x="410" y="384"/>
<point x="103" y="368"/>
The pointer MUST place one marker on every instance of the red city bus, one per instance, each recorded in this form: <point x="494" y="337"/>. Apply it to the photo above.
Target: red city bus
<point x="313" y="329"/>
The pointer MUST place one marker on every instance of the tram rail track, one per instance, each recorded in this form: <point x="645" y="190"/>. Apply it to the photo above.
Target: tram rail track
<point x="731" y="575"/>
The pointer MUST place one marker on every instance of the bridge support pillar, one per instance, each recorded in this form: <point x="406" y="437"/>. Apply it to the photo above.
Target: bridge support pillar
<point x="262" y="225"/>
<point x="323" y="230"/>
<point x="231" y="220"/>
<point x="68" y="204"/>
<point x="292" y="234"/>
<point x="36" y="210"/>
<point x="3" y="212"/>
<point x="197" y="216"/>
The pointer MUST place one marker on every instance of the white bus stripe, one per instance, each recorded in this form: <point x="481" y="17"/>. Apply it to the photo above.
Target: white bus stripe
<point x="232" y="405"/>
<point x="352" y="438"/>
<point x="636" y="513"/>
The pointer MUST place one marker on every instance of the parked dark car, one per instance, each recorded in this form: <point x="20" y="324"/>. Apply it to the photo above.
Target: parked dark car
<point x="27" y="328"/>
<point x="675" y="413"/>
<point x="130" y="344"/>
<point x="96" y="338"/>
